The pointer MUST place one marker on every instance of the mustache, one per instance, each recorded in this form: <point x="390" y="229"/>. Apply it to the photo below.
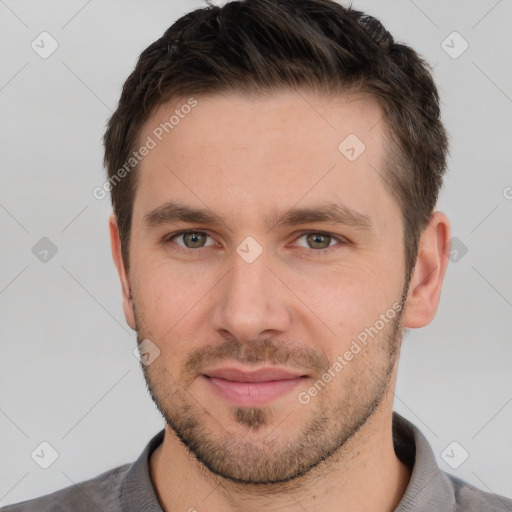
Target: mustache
<point x="264" y="351"/>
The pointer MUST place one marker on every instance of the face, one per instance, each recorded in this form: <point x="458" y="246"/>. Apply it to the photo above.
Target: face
<point x="267" y="267"/>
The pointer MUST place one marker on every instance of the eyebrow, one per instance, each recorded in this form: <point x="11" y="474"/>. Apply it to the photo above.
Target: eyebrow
<point x="172" y="212"/>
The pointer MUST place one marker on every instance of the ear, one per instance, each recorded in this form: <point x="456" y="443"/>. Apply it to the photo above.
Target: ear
<point x="115" y="242"/>
<point x="428" y="274"/>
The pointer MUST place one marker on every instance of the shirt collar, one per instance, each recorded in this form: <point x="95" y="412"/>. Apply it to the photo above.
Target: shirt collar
<point x="137" y="493"/>
<point x="429" y="488"/>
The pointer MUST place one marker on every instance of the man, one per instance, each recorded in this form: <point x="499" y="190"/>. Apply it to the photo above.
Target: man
<point x="274" y="168"/>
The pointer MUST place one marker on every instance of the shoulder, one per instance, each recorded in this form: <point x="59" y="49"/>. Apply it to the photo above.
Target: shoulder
<point x="98" y="493"/>
<point x="430" y="488"/>
<point x="126" y="487"/>
<point x="471" y="499"/>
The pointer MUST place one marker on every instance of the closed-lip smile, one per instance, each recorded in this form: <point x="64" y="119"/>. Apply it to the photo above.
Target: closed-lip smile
<point x="251" y="388"/>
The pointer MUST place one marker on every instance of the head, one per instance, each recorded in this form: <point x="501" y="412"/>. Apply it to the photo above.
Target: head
<point x="260" y="121"/>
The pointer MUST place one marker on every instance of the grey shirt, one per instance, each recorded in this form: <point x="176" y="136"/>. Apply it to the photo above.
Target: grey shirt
<point x="129" y="488"/>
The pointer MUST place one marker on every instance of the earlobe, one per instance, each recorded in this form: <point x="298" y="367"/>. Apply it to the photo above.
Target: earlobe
<point x="428" y="274"/>
<point x="115" y="242"/>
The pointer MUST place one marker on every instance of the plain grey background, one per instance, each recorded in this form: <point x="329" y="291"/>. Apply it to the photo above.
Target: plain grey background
<point x="67" y="369"/>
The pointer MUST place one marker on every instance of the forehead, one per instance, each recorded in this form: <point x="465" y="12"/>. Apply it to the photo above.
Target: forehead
<point x="249" y="153"/>
<point x="272" y="114"/>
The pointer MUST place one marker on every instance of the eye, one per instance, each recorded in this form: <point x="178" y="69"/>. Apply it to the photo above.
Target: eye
<point x="318" y="240"/>
<point x="190" y="239"/>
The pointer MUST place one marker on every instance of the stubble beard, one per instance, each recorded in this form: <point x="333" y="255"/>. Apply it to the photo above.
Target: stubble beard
<point x="257" y="452"/>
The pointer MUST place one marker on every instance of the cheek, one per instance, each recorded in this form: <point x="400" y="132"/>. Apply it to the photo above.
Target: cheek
<point x="341" y="304"/>
<point x="165" y="295"/>
<point x="169" y="285"/>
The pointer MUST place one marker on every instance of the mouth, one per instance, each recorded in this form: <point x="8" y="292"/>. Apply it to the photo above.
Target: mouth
<point x="252" y="388"/>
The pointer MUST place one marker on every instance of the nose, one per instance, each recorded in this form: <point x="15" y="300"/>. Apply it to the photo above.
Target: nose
<point x="251" y="301"/>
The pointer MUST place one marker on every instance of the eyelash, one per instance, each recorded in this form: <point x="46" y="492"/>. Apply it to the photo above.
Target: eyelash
<point x="318" y="252"/>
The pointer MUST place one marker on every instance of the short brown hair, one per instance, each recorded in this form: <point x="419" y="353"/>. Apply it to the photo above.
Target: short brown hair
<point x="258" y="46"/>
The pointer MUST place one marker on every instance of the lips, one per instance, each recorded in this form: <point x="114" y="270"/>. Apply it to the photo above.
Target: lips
<point x="251" y="388"/>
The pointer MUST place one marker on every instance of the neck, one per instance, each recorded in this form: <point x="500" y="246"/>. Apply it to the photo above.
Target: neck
<point x="365" y="475"/>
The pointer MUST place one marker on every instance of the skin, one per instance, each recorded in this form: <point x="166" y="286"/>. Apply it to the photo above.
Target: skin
<point x="296" y="305"/>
